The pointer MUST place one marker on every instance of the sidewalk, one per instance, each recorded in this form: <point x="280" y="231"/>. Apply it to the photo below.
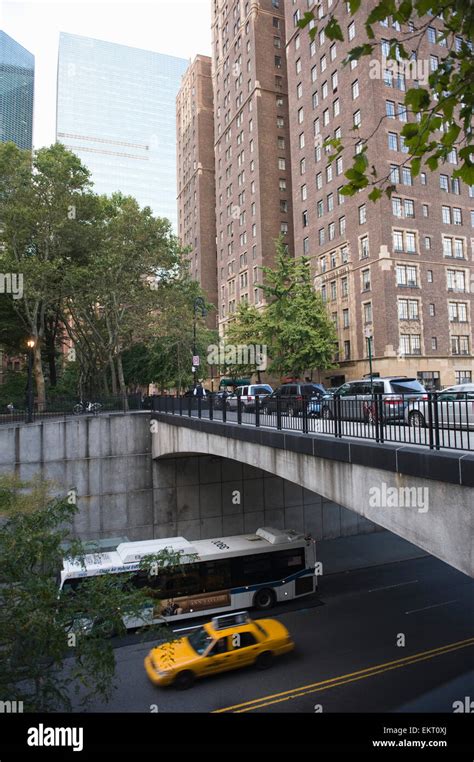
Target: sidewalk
<point x="360" y="551"/>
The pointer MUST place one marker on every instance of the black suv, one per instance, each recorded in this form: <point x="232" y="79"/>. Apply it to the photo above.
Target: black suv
<point x="292" y="397"/>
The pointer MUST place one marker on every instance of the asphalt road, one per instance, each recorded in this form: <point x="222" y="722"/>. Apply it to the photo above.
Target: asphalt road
<point x="346" y="658"/>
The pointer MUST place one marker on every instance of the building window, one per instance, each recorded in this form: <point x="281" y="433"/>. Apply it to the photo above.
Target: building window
<point x="367" y="312"/>
<point x="408" y="309"/>
<point x="463" y="376"/>
<point x="362" y="214"/>
<point x="351" y="31"/>
<point x="406" y="275"/>
<point x="364" y="247"/>
<point x="394" y="174"/>
<point x="344" y="287"/>
<point x="460" y="345"/>
<point x="365" y="276"/>
<point x="347" y="350"/>
<point x="345" y="318"/>
<point x="355" y="89"/>
<point x="457" y="312"/>
<point x="410" y="343"/>
<point x="456" y="280"/>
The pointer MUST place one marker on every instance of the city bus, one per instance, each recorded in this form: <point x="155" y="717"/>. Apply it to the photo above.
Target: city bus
<point x="217" y="575"/>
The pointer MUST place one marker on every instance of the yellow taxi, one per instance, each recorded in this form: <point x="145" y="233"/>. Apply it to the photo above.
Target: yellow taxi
<point x="227" y="642"/>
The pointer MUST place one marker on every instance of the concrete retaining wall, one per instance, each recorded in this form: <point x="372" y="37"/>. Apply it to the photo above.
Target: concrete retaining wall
<point x="122" y="491"/>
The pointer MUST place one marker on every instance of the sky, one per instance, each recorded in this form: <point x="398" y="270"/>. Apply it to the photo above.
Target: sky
<point x="176" y="27"/>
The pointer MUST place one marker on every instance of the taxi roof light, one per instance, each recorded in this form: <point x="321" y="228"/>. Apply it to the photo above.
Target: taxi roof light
<point x="230" y="620"/>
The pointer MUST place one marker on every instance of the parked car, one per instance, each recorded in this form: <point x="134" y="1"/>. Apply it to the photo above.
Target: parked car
<point x="292" y="397"/>
<point x="357" y="400"/>
<point x="227" y="642"/>
<point x="455" y="408"/>
<point x="247" y="396"/>
<point x="219" y="398"/>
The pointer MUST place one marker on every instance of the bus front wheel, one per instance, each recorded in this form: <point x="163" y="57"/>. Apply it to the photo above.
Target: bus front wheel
<point x="264" y="599"/>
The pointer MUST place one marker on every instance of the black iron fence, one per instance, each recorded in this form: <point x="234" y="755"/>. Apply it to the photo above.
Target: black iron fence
<point x="60" y="407"/>
<point x="436" y="420"/>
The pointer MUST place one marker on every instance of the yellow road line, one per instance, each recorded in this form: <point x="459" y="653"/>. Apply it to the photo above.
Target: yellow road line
<point x="377" y="669"/>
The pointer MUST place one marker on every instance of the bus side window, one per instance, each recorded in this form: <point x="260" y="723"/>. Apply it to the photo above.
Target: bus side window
<point x="286" y="562"/>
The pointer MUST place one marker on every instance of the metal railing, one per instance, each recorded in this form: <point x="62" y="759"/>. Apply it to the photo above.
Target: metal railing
<point x="63" y="407"/>
<point x="433" y="420"/>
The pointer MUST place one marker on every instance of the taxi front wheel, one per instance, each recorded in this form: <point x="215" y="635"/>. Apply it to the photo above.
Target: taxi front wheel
<point x="184" y="680"/>
<point x="264" y="661"/>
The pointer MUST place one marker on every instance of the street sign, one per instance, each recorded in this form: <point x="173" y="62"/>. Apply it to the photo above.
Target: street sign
<point x="368" y="332"/>
<point x="193" y="369"/>
<point x="196" y="361"/>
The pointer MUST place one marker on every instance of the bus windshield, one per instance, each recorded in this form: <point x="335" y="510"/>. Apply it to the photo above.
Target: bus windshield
<point x="199" y="640"/>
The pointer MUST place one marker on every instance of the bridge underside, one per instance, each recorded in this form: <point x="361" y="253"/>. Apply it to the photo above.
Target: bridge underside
<point x="434" y="515"/>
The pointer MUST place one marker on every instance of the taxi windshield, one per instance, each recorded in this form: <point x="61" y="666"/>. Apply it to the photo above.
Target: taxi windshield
<point x="199" y="640"/>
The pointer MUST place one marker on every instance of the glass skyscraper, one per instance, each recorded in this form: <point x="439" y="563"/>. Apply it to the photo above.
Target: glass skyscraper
<point x="17" y="76"/>
<point x="116" y="109"/>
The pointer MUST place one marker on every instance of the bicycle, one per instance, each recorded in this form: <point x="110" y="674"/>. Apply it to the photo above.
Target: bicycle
<point x="87" y="407"/>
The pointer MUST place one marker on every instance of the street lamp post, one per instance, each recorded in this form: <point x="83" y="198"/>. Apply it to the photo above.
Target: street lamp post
<point x="199" y="306"/>
<point x="29" y="399"/>
<point x="369" y="336"/>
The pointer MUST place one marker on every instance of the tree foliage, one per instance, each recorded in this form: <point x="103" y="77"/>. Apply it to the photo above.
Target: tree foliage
<point x="294" y="325"/>
<point x="101" y="275"/>
<point x="440" y="111"/>
<point x="47" y="653"/>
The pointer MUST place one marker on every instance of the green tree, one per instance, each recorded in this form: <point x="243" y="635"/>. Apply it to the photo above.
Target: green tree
<point x="246" y="330"/>
<point x="440" y="110"/>
<point x="44" y="650"/>
<point x="115" y="294"/>
<point x="44" y="219"/>
<point x="298" y="331"/>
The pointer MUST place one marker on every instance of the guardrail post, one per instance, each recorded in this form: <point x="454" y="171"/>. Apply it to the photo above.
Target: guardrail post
<point x="337" y="416"/>
<point x="211" y="407"/>
<point x="436" y="421"/>
<point x="278" y="411"/>
<point x="257" y="410"/>
<point x="304" y="414"/>
<point x="239" y="410"/>
<point x="380" y="416"/>
<point x="430" y="420"/>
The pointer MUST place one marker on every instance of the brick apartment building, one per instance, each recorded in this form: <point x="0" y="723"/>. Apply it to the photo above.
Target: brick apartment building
<point x="402" y="268"/>
<point x="196" y="175"/>
<point x="252" y="146"/>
